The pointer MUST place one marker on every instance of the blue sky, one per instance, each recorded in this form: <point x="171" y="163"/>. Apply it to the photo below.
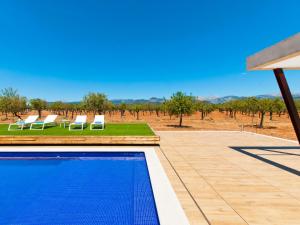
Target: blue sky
<point x="56" y="49"/>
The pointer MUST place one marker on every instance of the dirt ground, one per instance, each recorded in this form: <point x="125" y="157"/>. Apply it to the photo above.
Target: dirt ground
<point x="278" y="126"/>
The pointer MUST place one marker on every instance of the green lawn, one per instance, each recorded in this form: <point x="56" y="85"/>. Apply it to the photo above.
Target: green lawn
<point x="120" y="129"/>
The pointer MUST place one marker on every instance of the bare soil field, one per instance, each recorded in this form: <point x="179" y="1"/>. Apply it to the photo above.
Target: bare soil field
<point x="278" y="126"/>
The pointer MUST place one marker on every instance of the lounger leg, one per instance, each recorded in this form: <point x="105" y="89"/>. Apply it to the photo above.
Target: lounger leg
<point x="12" y="124"/>
<point x="19" y="126"/>
<point x="92" y="127"/>
<point x="70" y="127"/>
<point x="80" y="126"/>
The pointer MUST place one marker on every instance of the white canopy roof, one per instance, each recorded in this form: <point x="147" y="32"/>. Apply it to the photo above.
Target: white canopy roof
<point x="285" y="55"/>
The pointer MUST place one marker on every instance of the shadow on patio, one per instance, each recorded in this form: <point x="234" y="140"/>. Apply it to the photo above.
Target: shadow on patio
<point x="284" y="157"/>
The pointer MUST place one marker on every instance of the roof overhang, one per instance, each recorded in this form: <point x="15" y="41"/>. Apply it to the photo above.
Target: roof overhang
<point x="285" y="55"/>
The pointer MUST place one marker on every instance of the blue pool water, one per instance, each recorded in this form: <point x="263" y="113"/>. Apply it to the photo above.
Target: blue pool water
<point x="75" y="189"/>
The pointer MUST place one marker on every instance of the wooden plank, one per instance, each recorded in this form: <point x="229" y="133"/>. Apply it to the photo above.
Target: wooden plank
<point x="67" y="140"/>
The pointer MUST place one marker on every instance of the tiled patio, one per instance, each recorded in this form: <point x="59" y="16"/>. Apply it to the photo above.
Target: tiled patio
<point x="220" y="180"/>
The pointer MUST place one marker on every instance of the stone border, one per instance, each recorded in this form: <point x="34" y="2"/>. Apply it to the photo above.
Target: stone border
<point x="79" y="140"/>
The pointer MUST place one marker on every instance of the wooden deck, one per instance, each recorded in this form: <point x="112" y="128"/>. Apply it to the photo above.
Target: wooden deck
<point x="79" y="140"/>
<point x="219" y="179"/>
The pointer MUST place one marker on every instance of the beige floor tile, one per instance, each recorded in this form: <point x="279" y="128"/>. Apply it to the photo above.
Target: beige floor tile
<point x="230" y="187"/>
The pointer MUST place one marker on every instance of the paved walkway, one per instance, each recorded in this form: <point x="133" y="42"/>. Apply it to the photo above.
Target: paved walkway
<point x="219" y="179"/>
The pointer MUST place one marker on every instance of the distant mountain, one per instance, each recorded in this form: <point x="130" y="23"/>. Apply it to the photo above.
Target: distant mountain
<point x="219" y="100"/>
<point x="214" y="100"/>
<point x="267" y="96"/>
<point x="137" y="101"/>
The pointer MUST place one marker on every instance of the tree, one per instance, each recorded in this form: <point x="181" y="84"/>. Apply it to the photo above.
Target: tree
<point x="264" y="105"/>
<point x="110" y="107"/>
<point x="251" y="106"/>
<point x="12" y="102"/>
<point x="233" y="106"/>
<point x="39" y="105"/>
<point x="157" y="109"/>
<point x="278" y="107"/>
<point x="71" y="107"/>
<point x="122" y="109"/>
<point x="181" y="104"/>
<point x="95" y="102"/>
<point x="137" y="108"/>
<point x="204" y="107"/>
<point x="57" y="107"/>
<point x="4" y="106"/>
<point x="164" y="107"/>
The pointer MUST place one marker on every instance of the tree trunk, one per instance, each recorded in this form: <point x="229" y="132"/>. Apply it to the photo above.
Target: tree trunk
<point x="202" y="115"/>
<point x="137" y="115"/>
<point x="271" y="115"/>
<point x="180" y="120"/>
<point x="262" y="116"/>
<point x="40" y="113"/>
<point x="122" y="113"/>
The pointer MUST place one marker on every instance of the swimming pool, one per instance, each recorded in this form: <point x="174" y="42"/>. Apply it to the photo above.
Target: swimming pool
<point x="78" y="187"/>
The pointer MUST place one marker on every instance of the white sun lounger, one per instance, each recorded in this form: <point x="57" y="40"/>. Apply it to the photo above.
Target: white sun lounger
<point x="98" y="122"/>
<point x="50" y="119"/>
<point x="79" y="121"/>
<point x="23" y="123"/>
